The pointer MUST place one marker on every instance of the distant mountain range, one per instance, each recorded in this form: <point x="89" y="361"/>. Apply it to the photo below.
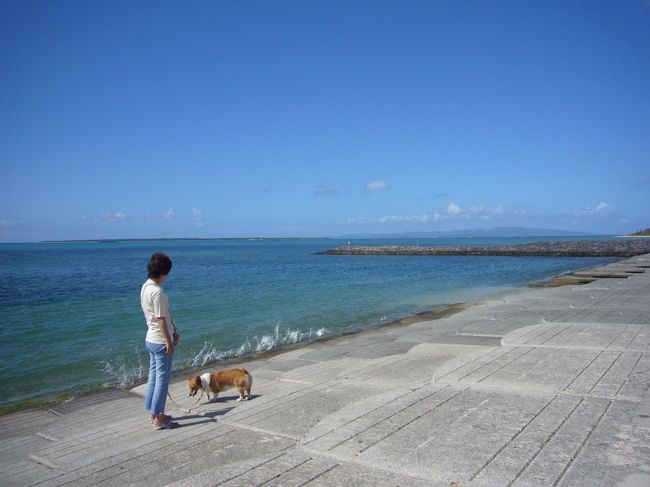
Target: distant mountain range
<point x="477" y="232"/>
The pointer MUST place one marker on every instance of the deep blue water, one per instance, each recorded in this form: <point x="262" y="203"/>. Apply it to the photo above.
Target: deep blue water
<point x="71" y="318"/>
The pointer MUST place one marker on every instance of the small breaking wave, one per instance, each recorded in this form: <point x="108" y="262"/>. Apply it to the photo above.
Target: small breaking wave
<point x="262" y="343"/>
<point x="123" y="372"/>
<point x="127" y="369"/>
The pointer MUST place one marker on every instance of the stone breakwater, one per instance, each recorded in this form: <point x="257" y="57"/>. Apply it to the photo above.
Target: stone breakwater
<point x="582" y="248"/>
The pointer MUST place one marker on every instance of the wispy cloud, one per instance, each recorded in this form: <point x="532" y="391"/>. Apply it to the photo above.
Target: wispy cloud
<point x="120" y="216"/>
<point x="423" y="218"/>
<point x="326" y="190"/>
<point x="355" y="220"/>
<point x="198" y="217"/>
<point x="4" y="222"/>
<point x="109" y="216"/>
<point x="455" y="212"/>
<point x="601" y="210"/>
<point x="481" y="211"/>
<point x="378" y="185"/>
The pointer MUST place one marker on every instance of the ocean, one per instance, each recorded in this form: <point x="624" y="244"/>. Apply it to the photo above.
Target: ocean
<point x="71" y="319"/>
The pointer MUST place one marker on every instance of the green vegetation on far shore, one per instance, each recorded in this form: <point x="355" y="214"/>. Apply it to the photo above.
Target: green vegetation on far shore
<point x="641" y="233"/>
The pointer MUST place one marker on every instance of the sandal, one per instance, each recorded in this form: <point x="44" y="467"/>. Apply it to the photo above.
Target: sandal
<point x="169" y="425"/>
<point x="167" y="418"/>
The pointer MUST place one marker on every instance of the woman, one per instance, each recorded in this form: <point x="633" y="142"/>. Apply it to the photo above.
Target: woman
<point x="160" y="340"/>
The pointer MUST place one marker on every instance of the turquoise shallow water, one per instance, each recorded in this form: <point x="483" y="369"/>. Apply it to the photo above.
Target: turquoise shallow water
<point x="71" y="318"/>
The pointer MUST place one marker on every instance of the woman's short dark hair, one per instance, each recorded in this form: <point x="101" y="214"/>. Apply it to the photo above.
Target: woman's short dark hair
<point x="159" y="265"/>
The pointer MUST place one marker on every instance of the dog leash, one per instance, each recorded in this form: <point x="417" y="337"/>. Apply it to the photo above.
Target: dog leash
<point x="182" y="408"/>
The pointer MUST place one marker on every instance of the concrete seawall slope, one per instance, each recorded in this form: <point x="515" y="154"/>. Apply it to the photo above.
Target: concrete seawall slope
<point x="544" y="387"/>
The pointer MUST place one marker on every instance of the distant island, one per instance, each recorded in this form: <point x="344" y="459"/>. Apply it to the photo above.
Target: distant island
<point x="641" y="233"/>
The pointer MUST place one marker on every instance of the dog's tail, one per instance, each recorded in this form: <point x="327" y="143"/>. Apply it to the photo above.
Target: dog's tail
<point x="249" y="382"/>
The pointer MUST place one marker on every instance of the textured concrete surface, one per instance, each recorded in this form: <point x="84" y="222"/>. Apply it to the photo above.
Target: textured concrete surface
<point x="543" y="387"/>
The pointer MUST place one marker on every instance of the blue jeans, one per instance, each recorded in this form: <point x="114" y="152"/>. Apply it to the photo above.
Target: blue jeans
<point x="160" y="371"/>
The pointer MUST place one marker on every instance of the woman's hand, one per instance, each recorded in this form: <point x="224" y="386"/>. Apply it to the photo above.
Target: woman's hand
<point x="169" y="343"/>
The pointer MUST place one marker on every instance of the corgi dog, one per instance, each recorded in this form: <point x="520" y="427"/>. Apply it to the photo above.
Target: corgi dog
<point x="215" y="382"/>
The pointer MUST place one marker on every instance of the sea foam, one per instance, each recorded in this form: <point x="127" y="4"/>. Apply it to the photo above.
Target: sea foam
<point x="118" y="371"/>
<point x="258" y="343"/>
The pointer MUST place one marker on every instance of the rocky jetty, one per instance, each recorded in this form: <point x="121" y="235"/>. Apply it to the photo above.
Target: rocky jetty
<point x="579" y="248"/>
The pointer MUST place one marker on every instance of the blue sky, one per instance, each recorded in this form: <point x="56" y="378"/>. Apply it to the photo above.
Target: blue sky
<point x="294" y="118"/>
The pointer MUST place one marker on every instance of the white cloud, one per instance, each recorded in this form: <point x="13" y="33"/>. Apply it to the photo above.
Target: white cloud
<point x="453" y="209"/>
<point x="118" y="216"/>
<point x="4" y="223"/>
<point x="110" y="216"/>
<point x="423" y="218"/>
<point x="601" y="210"/>
<point x="326" y="190"/>
<point x="354" y="221"/>
<point x="603" y="206"/>
<point x="198" y="217"/>
<point x="376" y="186"/>
<point x="455" y="212"/>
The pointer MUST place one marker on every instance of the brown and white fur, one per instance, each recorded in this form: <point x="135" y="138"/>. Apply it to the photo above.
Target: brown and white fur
<point x="215" y="382"/>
